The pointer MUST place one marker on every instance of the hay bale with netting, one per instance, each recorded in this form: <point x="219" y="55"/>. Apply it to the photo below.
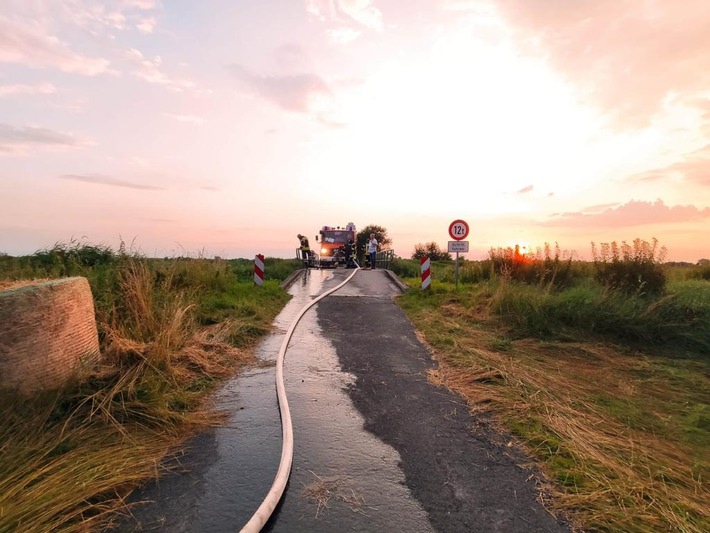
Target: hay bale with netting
<point x="47" y="333"/>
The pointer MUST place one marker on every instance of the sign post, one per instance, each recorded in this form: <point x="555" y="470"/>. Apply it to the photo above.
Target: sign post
<point x="458" y="230"/>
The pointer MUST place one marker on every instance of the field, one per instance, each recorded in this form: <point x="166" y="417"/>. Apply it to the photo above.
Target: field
<point x="606" y="384"/>
<point x="600" y="369"/>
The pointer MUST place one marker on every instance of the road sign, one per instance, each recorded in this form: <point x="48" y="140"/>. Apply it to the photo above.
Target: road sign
<point x="458" y="230"/>
<point x="458" y="247"/>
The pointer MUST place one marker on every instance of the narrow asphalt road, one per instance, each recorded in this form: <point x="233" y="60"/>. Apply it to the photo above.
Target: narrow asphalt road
<point x="377" y="447"/>
<point x="463" y="473"/>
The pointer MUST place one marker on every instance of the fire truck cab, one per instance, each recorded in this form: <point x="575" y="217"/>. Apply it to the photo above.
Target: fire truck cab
<point x="332" y="244"/>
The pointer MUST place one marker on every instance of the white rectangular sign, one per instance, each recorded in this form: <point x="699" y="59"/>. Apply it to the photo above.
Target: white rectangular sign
<point x="458" y="246"/>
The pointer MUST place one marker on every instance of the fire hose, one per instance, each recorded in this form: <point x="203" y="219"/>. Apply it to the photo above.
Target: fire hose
<point x="266" y="509"/>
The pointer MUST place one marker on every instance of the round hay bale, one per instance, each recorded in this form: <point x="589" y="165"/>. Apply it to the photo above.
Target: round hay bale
<point x="47" y="334"/>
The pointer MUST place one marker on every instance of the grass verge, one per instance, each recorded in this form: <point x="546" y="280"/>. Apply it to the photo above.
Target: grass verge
<point x="169" y="330"/>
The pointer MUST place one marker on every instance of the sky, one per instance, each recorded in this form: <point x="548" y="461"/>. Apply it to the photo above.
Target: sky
<point x="227" y="127"/>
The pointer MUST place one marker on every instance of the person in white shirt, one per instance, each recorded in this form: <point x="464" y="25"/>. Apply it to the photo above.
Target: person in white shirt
<point x="372" y="249"/>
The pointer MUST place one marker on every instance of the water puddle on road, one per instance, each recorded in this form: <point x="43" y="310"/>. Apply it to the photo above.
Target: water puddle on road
<point x="342" y="479"/>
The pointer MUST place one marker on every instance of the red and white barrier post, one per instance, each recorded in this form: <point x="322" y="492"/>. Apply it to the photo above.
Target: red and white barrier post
<point x="426" y="273"/>
<point x="259" y="270"/>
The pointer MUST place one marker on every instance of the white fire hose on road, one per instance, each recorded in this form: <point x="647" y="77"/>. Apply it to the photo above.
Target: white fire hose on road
<point x="265" y="510"/>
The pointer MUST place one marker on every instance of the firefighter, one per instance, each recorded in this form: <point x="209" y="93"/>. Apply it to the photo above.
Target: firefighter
<point x="305" y="250"/>
<point x="350" y="254"/>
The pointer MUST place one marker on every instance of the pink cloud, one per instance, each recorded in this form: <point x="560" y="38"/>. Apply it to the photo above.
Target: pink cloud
<point x="141" y="4"/>
<point x="626" y="56"/>
<point x="289" y="55"/>
<point x="147" y="25"/>
<point x="94" y="16"/>
<point x="19" y="140"/>
<point x="361" y="12"/>
<point x="343" y="35"/>
<point x="525" y="190"/>
<point x="28" y="44"/>
<point x="114" y="182"/>
<point x="190" y="119"/>
<point x="321" y="9"/>
<point x="330" y="123"/>
<point x="151" y="71"/>
<point x="293" y="92"/>
<point x="17" y="88"/>
<point x="704" y="106"/>
<point x="632" y="213"/>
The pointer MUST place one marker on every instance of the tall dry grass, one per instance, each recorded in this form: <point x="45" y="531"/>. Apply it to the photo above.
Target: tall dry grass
<point x="69" y="458"/>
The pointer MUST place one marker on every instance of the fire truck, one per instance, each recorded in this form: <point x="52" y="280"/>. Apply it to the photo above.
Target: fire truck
<point x="332" y="244"/>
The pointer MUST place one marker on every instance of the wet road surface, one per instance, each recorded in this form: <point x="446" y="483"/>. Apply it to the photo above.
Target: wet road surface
<point x="377" y="448"/>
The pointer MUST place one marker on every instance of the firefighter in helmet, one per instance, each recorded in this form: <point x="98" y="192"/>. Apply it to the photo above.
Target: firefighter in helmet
<point x="305" y="249"/>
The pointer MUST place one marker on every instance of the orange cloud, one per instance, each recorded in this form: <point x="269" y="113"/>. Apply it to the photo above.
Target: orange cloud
<point x="695" y="168"/>
<point x="632" y="213"/>
<point x="597" y="208"/>
<point x="627" y="56"/>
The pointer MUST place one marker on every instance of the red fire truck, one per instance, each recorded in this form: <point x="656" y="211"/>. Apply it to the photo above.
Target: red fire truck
<point x="332" y="243"/>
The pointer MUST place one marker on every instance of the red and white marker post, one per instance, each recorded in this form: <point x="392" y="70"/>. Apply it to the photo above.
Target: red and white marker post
<point x="259" y="270"/>
<point x="426" y="273"/>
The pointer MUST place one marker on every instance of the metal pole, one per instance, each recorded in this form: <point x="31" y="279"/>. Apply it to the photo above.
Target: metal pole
<point x="457" y="270"/>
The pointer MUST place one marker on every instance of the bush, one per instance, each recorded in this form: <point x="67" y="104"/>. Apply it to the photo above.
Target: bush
<point x="633" y="268"/>
<point x="702" y="271"/>
<point x="72" y="257"/>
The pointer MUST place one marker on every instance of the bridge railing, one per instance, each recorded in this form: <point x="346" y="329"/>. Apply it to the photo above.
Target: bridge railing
<point x="384" y="258"/>
<point x="308" y="262"/>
